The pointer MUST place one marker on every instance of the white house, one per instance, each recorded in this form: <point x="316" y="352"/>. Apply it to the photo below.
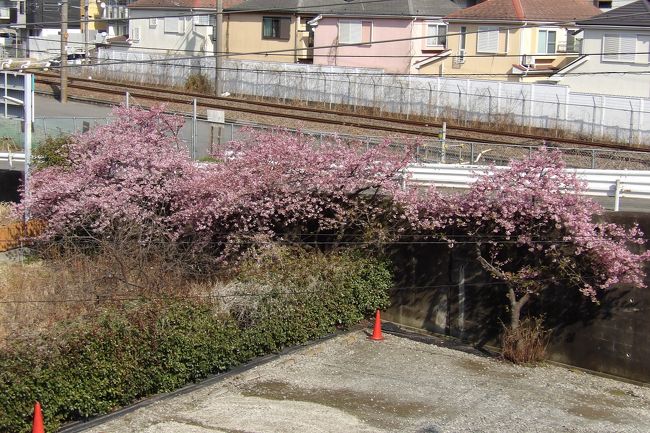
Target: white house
<point x="615" y="57"/>
<point x="172" y="27"/>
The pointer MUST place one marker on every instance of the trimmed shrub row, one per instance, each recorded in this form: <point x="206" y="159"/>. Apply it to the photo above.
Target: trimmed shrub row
<point x="147" y="347"/>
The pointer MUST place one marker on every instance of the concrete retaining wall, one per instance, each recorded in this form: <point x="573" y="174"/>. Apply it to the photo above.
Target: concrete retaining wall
<point x="442" y="290"/>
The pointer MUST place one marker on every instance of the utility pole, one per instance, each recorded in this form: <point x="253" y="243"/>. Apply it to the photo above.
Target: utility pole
<point x="64" y="54"/>
<point x="217" y="44"/>
<point x="86" y="42"/>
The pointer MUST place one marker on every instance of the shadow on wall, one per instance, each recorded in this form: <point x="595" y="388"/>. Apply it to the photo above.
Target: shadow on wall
<point x="9" y="183"/>
<point x="445" y="291"/>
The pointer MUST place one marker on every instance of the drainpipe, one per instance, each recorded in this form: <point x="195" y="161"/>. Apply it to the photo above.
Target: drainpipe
<point x="413" y="50"/>
<point x="296" y="20"/>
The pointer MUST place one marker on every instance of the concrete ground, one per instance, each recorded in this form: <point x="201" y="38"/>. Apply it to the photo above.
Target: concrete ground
<point x="351" y="384"/>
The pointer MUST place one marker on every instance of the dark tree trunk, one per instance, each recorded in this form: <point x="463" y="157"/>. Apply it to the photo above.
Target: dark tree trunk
<point x="515" y="307"/>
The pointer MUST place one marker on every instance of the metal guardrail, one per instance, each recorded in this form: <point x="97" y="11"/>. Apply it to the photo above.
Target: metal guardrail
<point x="12" y="159"/>
<point x="633" y="184"/>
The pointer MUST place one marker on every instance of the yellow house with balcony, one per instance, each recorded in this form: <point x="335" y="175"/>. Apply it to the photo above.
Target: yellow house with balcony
<point x="514" y="40"/>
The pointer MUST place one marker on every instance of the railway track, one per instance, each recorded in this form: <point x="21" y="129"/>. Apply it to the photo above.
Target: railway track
<point x="320" y="115"/>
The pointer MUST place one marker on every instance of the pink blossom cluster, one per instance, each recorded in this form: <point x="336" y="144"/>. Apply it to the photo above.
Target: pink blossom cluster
<point x="537" y="229"/>
<point x="530" y="225"/>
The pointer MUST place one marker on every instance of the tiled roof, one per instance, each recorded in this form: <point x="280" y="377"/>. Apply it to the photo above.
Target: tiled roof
<point x="410" y="8"/>
<point x="528" y="10"/>
<point x="635" y="14"/>
<point x="182" y="4"/>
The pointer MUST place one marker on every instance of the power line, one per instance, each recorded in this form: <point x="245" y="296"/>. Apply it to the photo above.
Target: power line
<point x="378" y="74"/>
<point x="147" y="50"/>
<point x="206" y="11"/>
<point x="412" y="38"/>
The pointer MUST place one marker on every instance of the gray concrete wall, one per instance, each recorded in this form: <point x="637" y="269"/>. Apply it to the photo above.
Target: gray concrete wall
<point x="444" y="291"/>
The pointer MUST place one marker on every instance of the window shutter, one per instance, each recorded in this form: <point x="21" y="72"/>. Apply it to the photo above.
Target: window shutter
<point x="356" y="32"/>
<point x="171" y="25"/>
<point x="181" y="25"/>
<point x="344" y="32"/>
<point x="610" y="47"/>
<point x="488" y="40"/>
<point x="643" y="48"/>
<point x="135" y="34"/>
<point x="628" y="48"/>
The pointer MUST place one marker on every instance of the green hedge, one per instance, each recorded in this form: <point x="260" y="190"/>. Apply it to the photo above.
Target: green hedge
<point x="147" y="347"/>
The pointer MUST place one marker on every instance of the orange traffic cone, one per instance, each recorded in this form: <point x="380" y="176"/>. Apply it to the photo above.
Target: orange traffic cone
<point x="37" y="426"/>
<point x="376" y="332"/>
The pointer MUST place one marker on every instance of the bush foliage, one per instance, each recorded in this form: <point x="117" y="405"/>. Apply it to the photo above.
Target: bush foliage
<point x="147" y="346"/>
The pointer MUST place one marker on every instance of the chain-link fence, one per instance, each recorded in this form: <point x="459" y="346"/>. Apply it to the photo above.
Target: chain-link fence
<point x="208" y="135"/>
<point x="502" y="104"/>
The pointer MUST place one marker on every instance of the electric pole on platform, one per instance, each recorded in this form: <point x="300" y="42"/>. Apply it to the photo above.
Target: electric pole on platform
<point x="64" y="54"/>
<point x="218" y="59"/>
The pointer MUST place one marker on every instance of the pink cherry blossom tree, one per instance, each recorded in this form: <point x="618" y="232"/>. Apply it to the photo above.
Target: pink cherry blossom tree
<point x="284" y="186"/>
<point x="532" y="228"/>
<point x="126" y="172"/>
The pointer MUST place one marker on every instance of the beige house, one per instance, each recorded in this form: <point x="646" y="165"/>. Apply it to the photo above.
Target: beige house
<point x="278" y="36"/>
<point x="515" y="40"/>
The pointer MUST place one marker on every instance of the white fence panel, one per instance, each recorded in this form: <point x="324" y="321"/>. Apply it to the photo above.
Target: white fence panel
<point x="535" y="105"/>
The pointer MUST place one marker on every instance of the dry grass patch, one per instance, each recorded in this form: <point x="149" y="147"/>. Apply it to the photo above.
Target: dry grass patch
<point x="6" y="217"/>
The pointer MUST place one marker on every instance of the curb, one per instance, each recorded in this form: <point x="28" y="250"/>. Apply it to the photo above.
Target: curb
<point x="80" y="426"/>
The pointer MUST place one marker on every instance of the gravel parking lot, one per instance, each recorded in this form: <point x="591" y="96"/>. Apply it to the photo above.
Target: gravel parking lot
<point x="352" y="384"/>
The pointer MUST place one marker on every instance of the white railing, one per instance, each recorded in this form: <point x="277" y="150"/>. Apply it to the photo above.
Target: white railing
<point x="12" y="159"/>
<point x="618" y="184"/>
<point x="633" y="184"/>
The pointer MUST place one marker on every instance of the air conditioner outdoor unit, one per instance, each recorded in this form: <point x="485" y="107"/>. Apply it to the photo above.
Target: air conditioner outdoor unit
<point x="460" y="58"/>
<point x="527" y="61"/>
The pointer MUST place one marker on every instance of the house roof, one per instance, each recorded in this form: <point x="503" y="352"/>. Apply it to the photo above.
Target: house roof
<point x="181" y="4"/>
<point x="528" y="10"/>
<point x="410" y="8"/>
<point x="635" y="14"/>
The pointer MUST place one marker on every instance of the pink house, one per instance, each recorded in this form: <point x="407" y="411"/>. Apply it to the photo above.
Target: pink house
<point x="415" y="29"/>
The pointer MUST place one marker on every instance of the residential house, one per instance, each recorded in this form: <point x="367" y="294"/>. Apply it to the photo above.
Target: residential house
<point x="41" y="29"/>
<point x="607" y="5"/>
<point x="516" y="40"/>
<point x="110" y="16"/>
<point x="173" y="27"/>
<point x="348" y="34"/>
<point x="615" y="48"/>
<point x="391" y="35"/>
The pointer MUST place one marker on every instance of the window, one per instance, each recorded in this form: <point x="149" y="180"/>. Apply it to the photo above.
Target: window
<point x="174" y="25"/>
<point x="546" y="41"/>
<point x="355" y="32"/>
<point x="153" y="23"/>
<point x="643" y="49"/>
<point x="438" y="35"/>
<point x="602" y="4"/>
<point x="134" y="34"/>
<point x="202" y="20"/>
<point x="488" y="39"/>
<point x="276" y="27"/>
<point x="573" y="42"/>
<point x="619" y="47"/>
<point x="463" y="37"/>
